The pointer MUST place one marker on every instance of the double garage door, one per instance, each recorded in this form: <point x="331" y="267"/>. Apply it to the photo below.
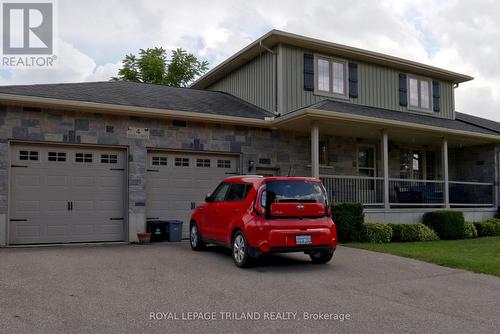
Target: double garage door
<point x="66" y="194"/>
<point x="177" y="181"/>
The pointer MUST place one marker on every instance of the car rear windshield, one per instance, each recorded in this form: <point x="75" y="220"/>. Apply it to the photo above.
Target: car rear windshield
<point x="294" y="191"/>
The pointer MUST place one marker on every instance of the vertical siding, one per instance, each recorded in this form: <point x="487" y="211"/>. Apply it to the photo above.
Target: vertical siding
<point x="377" y="86"/>
<point x="252" y="82"/>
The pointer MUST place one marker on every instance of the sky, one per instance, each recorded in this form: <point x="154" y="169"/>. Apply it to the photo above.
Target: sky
<point x="93" y="36"/>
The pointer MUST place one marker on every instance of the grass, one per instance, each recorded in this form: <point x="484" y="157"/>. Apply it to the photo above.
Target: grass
<point x="480" y="255"/>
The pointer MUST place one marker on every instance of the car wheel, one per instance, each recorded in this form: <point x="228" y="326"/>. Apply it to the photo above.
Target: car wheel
<point x="196" y="242"/>
<point x="240" y="251"/>
<point x="321" y="256"/>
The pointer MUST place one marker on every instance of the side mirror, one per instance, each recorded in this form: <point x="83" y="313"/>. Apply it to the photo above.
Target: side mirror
<point x="209" y="198"/>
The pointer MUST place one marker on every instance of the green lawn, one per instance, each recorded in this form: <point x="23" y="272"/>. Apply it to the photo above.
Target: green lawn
<point x="481" y="255"/>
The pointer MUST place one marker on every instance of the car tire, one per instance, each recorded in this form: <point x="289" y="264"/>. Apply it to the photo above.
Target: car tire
<point x="321" y="256"/>
<point x="197" y="244"/>
<point x="240" y="251"/>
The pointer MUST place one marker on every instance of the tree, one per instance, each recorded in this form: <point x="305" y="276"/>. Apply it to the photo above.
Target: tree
<point x="153" y="66"/>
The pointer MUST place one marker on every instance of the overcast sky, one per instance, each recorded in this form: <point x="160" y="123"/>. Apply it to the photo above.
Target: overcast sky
<point x="462" y="36"/>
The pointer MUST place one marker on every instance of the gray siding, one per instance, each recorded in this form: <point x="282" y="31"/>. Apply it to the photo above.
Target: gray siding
<point x="377" y="86"/>
<point x="252" y="82"/>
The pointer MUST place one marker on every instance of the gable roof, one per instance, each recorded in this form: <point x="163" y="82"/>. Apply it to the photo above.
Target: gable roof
<point x="275" y="37"/>
<point x="135" y="94"/>
<point x="392" y="115"/>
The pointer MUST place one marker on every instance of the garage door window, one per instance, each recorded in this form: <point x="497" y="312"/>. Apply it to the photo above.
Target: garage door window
<point x="57" y="156"/>
<point x="159" y="161"/>
<point x="223" y="163"/>
<point x="28" y="155"/>
<point x="203" y="163"/>
<point x="83" y="157"/>
<point x="182" y="162"/>
<point x="109" y="158"/>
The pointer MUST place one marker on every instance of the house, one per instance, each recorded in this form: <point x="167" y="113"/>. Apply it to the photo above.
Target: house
<point x="92" y="162"/>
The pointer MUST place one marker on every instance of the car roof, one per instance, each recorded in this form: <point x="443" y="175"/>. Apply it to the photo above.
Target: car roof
<point x="260" y="179"/>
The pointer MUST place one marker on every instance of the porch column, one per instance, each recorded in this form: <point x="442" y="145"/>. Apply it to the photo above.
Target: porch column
<point x="444" y="158"/>
<point x="314" y="149"/>
<point x="385" y="166"/>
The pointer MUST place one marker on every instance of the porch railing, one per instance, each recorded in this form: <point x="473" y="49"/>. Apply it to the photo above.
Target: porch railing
<point x="408" y="192"/>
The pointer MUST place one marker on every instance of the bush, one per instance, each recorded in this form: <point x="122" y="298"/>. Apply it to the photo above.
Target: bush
<point x="485" y="229"/>
<point x="470" y="230"/>
<point x="349" y="219"/>
<point x="377" y="232"/>
<point x="412" y="232"/>
<point x="495" y="222"/>
<point x="447" y="224"/>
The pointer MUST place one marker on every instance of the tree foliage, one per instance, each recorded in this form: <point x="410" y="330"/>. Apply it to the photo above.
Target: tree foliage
<point x="152" y="65"/>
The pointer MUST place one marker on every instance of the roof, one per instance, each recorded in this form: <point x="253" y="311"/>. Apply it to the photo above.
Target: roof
<point x="275" y="37"/>
<point x="136" y="94"/>
<point x="392" y="115"/>
<point x="478" y="121"/>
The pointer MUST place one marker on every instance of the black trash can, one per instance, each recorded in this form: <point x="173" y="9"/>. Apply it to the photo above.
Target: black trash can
<point x="158" y="230"/>
<point x="174" y="230"/>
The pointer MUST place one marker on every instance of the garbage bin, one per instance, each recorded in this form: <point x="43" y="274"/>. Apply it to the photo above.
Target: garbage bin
<point x="158" y="230"/>
<point x="174" y="230"/>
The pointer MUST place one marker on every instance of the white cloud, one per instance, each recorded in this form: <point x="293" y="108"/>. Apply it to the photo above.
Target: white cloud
<point x="458" y="35"/>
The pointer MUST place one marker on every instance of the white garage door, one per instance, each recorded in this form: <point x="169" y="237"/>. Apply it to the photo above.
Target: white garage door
<point x="177" y="182"/>
<point x="65" y="194"/>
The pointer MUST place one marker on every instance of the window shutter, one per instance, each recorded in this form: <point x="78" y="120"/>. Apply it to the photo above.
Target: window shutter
<point x="353" y="80"/>
<point x="436" y="97"/>
<point x="403" y="91"/>
<point x="308" y="72"/>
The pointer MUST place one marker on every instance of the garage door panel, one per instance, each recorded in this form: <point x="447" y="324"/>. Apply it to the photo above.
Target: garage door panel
<point x="28" y="181"/>
<point x="57" y="206"/>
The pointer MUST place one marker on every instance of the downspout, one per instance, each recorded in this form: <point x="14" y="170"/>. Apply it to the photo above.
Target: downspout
<point x="275" y="77"/>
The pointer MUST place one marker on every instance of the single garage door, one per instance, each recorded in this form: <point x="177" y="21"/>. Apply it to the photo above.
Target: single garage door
<point x="62" y="194"/>
<point x="176" y="182"/>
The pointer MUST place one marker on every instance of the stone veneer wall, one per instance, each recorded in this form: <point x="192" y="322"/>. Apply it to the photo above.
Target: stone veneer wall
<point x="284" y="149"/>
<point x="472" y="164"/>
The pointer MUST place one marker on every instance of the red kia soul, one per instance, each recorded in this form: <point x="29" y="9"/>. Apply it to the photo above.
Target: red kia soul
<point x="254" y="215"/>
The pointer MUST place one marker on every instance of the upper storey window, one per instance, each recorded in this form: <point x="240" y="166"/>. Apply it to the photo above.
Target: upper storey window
<point x="419" y="93"/>
<point x="331" y="76"/>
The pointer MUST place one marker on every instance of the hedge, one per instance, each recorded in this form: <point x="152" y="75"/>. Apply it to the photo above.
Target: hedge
<point x="349" y="219"/>
<point x="377" y="232"/>
<point x="470" y="230"/>
<point x="447" y="224"/>
<point x="496" y="222"/>
<point x="485" y="229"/>
<point x="412" y="232"/>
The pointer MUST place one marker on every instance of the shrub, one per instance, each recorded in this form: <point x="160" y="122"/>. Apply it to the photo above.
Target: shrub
<point x="495" y="222"/>
<point x="470" y="230"/>
<point x="412" y="232"/>
<point x="377" y="232"/>
<point x="485" y="229"/>
<point x="349" y="219"/>
<point x="447" y="224"/>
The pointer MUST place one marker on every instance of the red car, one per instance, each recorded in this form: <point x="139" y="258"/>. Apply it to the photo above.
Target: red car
<point x="254" y="215"/>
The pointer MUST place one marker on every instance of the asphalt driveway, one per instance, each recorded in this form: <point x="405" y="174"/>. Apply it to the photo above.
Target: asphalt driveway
<point x="111" y="289"/>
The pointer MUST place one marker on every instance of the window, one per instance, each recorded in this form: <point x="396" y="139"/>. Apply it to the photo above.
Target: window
<point x="223" y="163"/>
<point x="331" y="74"/>
<point x="83" y="157"/>
<point x="430" y="165"/>
<point x="28" y="155"/>
<point x="220" y="193"/>
<point x="159" y="161"/>
<point x="323" y="153"/>
<point x="237" y="192"/>
<point x="411" y="163"/>
<point x="182" y="162"/>
<point x="293" y="192"/>
<point x="420" y="93"/>
<point x="57" y="156"/>
<point x="366" y="161"/>
<point x="202" y="162"/>
<point x="109" y="158"/>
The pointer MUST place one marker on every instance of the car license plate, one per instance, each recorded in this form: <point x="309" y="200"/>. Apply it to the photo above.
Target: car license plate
<point x="303" y="239"/>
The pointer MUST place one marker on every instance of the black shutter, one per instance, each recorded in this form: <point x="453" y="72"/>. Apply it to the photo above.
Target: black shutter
<point x="403" y="92"/>
<point x="353" y="80"/>
<point x="308" y="72"/>
<point x="436" y="97"/>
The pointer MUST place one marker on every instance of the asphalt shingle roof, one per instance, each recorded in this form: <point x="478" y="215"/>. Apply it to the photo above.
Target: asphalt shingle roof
<point x="137" y="94"/>
<point x="454" y="124"/>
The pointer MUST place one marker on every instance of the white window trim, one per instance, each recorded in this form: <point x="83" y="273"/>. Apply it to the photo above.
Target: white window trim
<point x="330" y="93"/>
<point x="431" y="100"/>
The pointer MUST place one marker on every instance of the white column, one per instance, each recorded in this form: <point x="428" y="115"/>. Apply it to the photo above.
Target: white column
<point x="314" y="149"/>
<point x="444" y="158"/>
<point x="385" y="166"/>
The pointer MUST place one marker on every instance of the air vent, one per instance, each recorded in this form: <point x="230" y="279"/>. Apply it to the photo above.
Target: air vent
<point x="264" y="161"/>
<point x="178" y="123"/>
<point x="32" y="109"/>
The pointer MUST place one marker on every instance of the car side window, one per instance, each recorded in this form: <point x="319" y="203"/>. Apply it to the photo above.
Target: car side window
<point x="220" y="193"/>
<point x="237" y="192"/>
